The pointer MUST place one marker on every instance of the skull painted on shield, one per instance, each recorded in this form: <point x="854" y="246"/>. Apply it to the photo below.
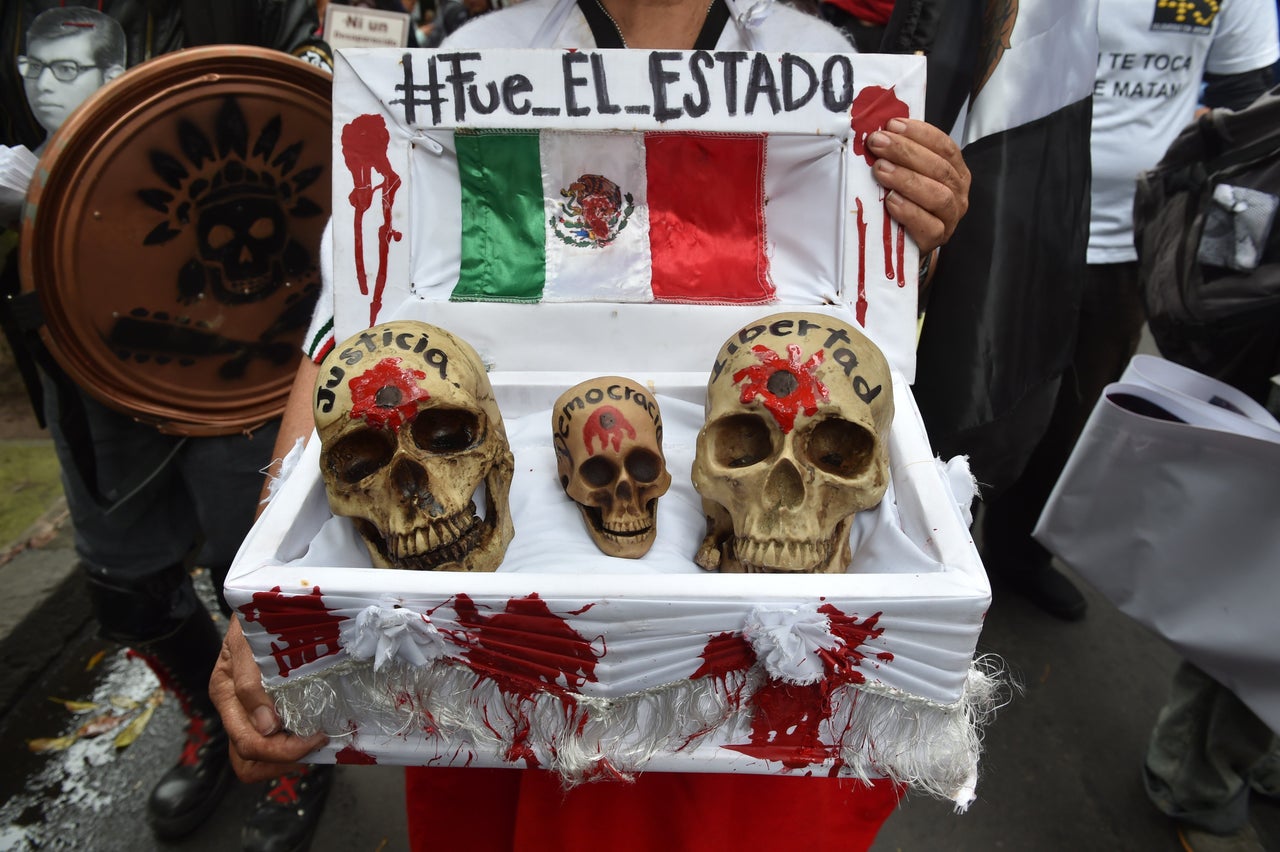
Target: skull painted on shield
<point x="414" y="450"/>
<point x="794" y="445"/>
<point x="608" y="440"/>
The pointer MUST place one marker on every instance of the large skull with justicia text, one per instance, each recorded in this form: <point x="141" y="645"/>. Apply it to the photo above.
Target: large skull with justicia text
<point x="607" y="433"/>
<point x="413" y="448"/>
<point x="799" y="408"/>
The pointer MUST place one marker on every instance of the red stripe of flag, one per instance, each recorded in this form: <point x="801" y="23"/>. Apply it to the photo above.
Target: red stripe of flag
<point x="706" y="218"/>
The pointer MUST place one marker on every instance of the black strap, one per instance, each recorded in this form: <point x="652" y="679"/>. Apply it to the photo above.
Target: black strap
<point x="606" y="33"/>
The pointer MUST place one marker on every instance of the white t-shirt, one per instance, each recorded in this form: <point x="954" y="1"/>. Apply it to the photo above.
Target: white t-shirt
<point x="561" y="24"/>
<point x="1151" y="58"/>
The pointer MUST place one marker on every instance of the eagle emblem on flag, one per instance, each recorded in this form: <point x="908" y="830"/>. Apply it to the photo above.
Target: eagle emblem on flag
<point x="594" y="212"/>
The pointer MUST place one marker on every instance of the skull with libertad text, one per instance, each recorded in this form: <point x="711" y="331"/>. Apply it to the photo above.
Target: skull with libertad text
<point x="794" y="445"/>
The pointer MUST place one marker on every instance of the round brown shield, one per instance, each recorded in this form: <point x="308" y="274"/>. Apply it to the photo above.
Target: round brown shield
<point x="172" y="234"/>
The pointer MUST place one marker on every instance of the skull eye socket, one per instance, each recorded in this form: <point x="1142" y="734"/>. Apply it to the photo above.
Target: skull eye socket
<point x="219" y="236"/>
<point x="263" y="228"/>
<point x="598" y="472"/>
<point x="740" y="441"/>
<point x="840" y="448"/>
<point x="360" y="454"/>
<point x="643" y="465"/>
<point x="445" y="430"/>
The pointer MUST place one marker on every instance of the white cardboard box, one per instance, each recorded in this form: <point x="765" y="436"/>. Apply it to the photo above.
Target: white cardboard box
<point x="589" y="665"/>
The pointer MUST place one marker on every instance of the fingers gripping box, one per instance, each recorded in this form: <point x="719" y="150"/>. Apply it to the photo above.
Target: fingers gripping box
<point x="651" y="224"/>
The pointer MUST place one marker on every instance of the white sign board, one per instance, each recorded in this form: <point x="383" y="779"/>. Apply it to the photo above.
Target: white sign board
<point x="352" y="26"/>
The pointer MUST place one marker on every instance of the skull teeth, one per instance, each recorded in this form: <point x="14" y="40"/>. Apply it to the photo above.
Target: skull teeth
<point x="438" y="543"/>
<point x="774" y="555"/>
<point x="624" y="528"/>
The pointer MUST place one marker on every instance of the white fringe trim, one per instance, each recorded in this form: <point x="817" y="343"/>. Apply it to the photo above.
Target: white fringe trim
<point x="932" y="748"/>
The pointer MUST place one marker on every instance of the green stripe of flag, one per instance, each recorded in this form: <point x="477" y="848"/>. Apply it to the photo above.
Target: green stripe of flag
<point x="503" y="228"/>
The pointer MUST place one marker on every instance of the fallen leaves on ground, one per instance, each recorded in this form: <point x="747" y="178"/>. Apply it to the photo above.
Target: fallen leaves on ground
<point x="135" y="717"/>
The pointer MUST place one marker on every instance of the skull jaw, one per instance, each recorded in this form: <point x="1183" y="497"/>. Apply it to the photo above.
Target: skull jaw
<point x="479" y="545"/>
<point x="729" y="553"/>
<point x="631" y="542"/>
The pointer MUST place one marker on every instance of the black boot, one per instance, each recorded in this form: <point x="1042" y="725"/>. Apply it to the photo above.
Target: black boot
<point x="288" y="813"/>
<point x="188" y="793"/>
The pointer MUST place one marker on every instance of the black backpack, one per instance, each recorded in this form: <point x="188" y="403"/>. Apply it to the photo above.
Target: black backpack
<point x="1205" y="227"/>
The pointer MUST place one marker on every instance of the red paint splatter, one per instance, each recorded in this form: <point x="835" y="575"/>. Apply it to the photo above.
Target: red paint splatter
<point x="872" y="109"/>
<point x="307" y="629"/>
<point x="841" y="664"/>
<point x="861" y="306"/>
<point x="783" y="397"/>
<point x="787" y="718"/>
<point x="607" y="425"/>
<point x="526" y="650"/>
<point x="365" y="142"/>
<point x="386" y="395"/>
<point x="724" y="655"/>
<point x="352" y="756"/>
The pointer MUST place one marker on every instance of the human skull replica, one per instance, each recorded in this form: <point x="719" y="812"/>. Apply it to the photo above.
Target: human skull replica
<point x="608" y="440"/>
<point x="411" y="442"/>
<point x="794" y="445"/>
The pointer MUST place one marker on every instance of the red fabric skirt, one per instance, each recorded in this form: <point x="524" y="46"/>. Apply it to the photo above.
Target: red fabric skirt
<point x="496" y="810"/>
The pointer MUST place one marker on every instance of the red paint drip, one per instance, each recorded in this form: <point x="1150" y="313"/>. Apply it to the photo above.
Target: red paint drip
<point x="307" y="630"/>
<point x="783" y="399"/>
<point x="609" y="426"/>
<point x="386" y="395"/>
<point x="786" y="720"/>
<point x="902" y="250"/>
<point x="861" y="305"/>
<point x="872" y="109"/>
<point x="886" y="236"/>
<point x="365" y="142"/>
<point x="352" y="756"/>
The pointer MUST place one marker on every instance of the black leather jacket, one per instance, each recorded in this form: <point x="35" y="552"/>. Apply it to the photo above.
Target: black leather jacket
<point x="153" y="27"/>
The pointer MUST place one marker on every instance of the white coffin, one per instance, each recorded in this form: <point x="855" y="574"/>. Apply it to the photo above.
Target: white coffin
<point x="594" y="666"/>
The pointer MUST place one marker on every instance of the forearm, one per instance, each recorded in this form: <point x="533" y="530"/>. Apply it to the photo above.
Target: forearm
<point x="296" y="422"/>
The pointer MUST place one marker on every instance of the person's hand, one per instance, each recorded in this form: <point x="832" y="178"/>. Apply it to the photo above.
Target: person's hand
<point x="928" y="182"/>
<point x="260" y="747"/>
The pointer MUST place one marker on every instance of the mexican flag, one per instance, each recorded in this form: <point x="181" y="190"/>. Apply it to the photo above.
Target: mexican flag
<point x="618" y="216"/>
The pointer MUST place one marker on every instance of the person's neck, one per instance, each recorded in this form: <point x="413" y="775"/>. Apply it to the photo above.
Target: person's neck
<point x="658" y="24"/>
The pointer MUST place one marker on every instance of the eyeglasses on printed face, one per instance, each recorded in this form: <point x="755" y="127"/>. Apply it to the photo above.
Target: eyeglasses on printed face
<point x="64" y="70"/>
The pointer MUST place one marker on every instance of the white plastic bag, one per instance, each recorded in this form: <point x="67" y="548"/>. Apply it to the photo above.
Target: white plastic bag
<point x="1175" y="520"/>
